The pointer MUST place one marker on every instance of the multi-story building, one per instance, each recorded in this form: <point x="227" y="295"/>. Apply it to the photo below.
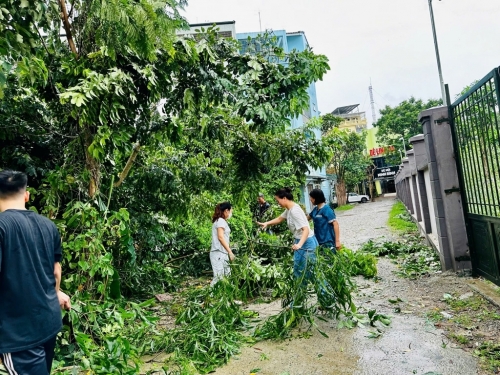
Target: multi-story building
<point x="353" y="120"/>
<point x="384" y="173"/>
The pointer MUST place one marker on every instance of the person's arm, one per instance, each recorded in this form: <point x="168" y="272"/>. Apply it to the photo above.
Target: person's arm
<point x="275" y="221"/>
<point x="63" y="298"/>
<point x="303" y="238"/>
<point x="336" y="230"/>
<point x="222" y="240"/>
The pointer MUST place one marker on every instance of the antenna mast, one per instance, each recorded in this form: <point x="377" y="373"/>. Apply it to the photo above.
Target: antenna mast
<point x="372" y="102"/>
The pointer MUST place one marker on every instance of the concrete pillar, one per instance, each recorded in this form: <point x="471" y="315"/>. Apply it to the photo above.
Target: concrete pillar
<point x="413" y="180"/>
<point x="443" y="174"/>
<point x="409" y="195"/>
<point x="421" y="165"/>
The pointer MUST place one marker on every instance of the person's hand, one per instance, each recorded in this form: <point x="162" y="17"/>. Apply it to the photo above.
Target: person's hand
<point x="64" y="300"/>
<point x="262" y="225"/>
<point x="296" y="247"/>
<point x="338" y="245"/>
<point x="231" y="256"/>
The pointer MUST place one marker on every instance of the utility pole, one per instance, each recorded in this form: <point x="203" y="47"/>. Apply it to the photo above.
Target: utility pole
<point x="260" y="23"/>
<point x="441" y="81"/>
<point x="372" y="102"/>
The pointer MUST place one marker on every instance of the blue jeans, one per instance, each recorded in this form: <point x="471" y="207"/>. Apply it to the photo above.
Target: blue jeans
<point x="304" y="259"/>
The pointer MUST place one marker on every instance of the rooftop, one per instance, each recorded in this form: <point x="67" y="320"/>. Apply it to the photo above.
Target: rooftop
<point x="345" y="110"/>
<point x="212" y="23"/>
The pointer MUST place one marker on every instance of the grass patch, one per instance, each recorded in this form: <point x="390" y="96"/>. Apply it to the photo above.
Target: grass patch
<point x="414" y="259"/>
<point x="345" y="207"/>
<point x="474" y="303"/>
<point x="400" y="220"/>
<point x="434" y="316"/>
<point x="461" y="339"/>
<point x="489" y="352"/>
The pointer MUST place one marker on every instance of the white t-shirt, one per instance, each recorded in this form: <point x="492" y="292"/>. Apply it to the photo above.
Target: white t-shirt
<point x="296" y="220"/>
<point x="216" y="245"/>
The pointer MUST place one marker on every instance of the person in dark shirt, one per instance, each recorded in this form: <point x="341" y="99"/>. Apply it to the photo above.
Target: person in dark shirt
<point x="263" y="206"/>
<point x="30" y="276"/>
<point x="326" y="227"/>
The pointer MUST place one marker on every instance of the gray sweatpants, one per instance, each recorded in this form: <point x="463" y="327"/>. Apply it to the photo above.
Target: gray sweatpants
<point x="220" y="265"/>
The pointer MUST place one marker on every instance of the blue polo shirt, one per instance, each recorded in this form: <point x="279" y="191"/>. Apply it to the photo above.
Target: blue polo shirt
<point x="323" y="227"/>
<point x="29" y="308"/>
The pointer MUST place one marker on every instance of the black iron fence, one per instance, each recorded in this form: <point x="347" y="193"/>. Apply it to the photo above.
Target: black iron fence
<point x="476" y="135"/>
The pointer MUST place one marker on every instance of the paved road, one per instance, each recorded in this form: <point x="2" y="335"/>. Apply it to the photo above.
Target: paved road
<point x="411" y="344"/>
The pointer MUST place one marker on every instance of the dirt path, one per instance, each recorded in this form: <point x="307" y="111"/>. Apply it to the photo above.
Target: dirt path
<point x="410" y="345"/>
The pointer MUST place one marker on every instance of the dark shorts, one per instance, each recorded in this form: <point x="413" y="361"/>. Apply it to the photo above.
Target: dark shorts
<point x="34" y="361"/>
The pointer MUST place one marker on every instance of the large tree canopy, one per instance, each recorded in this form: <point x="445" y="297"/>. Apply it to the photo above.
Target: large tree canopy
<point x="401" y="121"/>
<point x="346" y="161"/>
<point x="119" y="61"/>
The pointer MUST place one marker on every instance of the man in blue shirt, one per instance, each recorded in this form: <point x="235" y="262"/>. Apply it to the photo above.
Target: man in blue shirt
<point x="30" y="276"/>
<point x="326" y="227"/>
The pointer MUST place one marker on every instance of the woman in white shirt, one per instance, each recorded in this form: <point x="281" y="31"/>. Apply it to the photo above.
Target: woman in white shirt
<point x="305" y="243"/>
<point x="220" y="252"/>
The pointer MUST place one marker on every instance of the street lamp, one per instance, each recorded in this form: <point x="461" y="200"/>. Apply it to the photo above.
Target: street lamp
<point x="441" y="81"/>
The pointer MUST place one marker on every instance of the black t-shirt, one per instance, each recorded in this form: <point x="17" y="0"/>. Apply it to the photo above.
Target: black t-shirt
<point x="263" y="208"/>
<point x="29" y="308"/>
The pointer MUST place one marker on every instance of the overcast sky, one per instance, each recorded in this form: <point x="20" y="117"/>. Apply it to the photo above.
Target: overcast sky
<point x="389" y="41"/>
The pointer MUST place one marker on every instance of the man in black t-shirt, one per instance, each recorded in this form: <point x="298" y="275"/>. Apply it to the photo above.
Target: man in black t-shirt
<point x="262" y="206"/>
<point x="30" y="276"/>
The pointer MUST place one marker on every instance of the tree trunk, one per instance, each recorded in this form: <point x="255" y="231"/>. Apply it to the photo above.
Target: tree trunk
<point x="371" y="181"/>
<point x="67" y="27"/>
<point x="91" y="164"/>
<point x="341" y="193"/>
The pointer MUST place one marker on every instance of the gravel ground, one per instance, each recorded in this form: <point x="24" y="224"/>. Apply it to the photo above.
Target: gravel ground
<point x="364" y="222"/>
<point x="411" y="344"/>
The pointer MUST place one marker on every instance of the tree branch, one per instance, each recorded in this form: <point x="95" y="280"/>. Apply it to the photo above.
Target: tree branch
<point x="128" y="166"/>
<point x="67" y="27"/>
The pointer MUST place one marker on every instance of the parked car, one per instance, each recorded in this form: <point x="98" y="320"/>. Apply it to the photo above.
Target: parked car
<point x="360" y="198"/>
<point x="352" y="198"/>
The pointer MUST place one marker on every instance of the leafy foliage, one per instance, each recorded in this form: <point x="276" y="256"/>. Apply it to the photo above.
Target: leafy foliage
<point x="360" y="263"/>
<point x="130" y="135"/>
<point x="347" y="161"/>
<point x="414" y="259"/>
<point x="401" y="121"/>
<point x="329" y="121"/>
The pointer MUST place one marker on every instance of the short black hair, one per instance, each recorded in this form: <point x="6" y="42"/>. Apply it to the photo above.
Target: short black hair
<point x="285" y="192"/>
<point x="12" y="183"/>
<point x="318" y="196"/>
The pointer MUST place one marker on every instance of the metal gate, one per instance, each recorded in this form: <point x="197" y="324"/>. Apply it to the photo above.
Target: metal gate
<point x="476" y="138"/>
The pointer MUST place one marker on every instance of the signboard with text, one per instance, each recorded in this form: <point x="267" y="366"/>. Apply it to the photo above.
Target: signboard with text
<point x="379" y="151"/>
<point x="386" y="172"/>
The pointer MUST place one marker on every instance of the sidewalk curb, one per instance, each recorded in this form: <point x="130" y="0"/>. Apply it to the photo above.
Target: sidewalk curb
<point x="489" y="292"/>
